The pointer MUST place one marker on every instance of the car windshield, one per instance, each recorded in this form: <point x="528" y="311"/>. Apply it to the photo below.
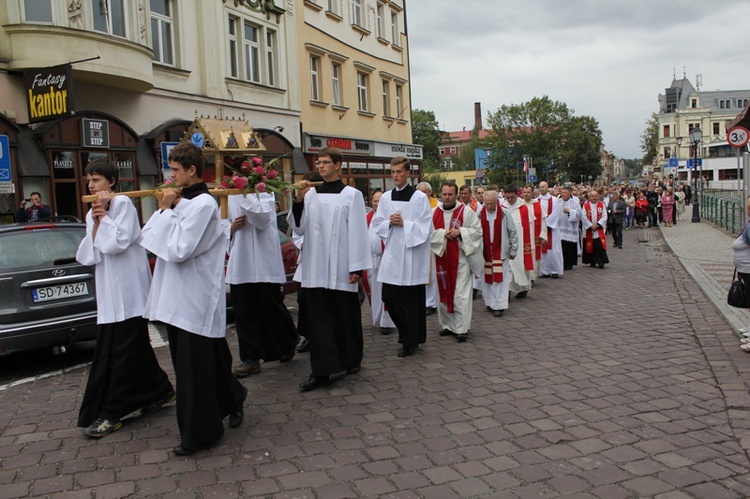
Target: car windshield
<point x="39" y="247"/>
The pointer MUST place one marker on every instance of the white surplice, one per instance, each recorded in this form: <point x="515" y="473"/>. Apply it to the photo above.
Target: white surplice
<point x="380" y="316"/>
<point x="568" y="223"/>
<point x="552" y="260"/>
<point x="405" y="261"/>
<point x="337" y="244"/>
<point x="188" y="286"/>
<point x="255" y="253"/>
<point x="122" y="274"/>
<point x="459" y="321"/>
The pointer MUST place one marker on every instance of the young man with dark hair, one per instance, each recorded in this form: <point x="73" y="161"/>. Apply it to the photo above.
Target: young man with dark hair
<point x="188" y="295"/>
<point x="125" y="375"/>
<point x="34" y="212"/>
<point x="336" y="252"/>
<point x="403" y="223"/>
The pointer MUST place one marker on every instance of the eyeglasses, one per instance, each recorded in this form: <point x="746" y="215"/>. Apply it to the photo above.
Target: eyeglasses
<point x="324" y="162"/>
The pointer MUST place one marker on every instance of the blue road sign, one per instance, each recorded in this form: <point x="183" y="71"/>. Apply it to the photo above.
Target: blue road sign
<point x="532" y="178"/>
<point x="6" y="174"/>
<point x="691" y="163"/>
<point x="166" y="148"/>
<point x="674" y="162"/>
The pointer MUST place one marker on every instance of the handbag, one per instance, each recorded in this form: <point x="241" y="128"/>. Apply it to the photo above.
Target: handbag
<point x="736" y="296"/>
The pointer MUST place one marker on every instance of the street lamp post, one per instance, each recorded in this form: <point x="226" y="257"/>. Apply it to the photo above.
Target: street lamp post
<point x="695" y="138"/>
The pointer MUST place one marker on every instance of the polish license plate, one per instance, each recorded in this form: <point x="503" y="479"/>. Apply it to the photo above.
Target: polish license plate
<point x="60" y="291"/>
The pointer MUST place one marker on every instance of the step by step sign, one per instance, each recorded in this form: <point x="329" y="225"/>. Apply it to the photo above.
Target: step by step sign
<point x="738" y="136"/>
<point x="691" y="163"/>
<point x="95" y="133"/>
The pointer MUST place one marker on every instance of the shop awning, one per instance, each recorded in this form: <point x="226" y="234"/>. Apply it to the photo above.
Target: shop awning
<point x="31" y="159"/>
<point x="146" y="161"/>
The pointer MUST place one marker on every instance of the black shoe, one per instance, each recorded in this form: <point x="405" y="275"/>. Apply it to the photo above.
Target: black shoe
<point x="489" y="309"/>
<point x="158" y="404"/>
<point x="522" y="294"/>
<point x="474" y="293"/>
<point x="181" y="450"/>
<point x="543" y="276"/>
<point x="430" y="310"/>
<point x="445" y="332"/>
<point x="555" y="276"/>
<point x="592" y="265"/>
<point x="245" y="369"/>
<point x="462" y="337"/>
<point x="236" y="418"/>
<point x="497" y="313"/>
<point x="569" y="267"/>
<point x="405" y="352"/>
<point x="354" y="369"/>
<point x="304" y="347"/>
<point x="385" y="331"/>
<point x="313" y="382"/>
<point x="601" y="265"/>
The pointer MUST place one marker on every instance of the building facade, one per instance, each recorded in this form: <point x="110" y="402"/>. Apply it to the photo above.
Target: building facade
<point x="683" y="107"/>
<point x="84" y="79"/>
<point x="355" y="88"/>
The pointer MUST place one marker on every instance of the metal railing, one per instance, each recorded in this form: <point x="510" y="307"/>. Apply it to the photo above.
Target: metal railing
<point x="722" y="211"/>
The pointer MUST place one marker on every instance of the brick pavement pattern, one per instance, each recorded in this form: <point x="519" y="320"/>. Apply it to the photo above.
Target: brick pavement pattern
<point x="613" y="383"/>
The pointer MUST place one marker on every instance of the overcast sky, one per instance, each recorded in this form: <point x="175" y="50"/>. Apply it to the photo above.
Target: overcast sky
<point x="609" y="59"/>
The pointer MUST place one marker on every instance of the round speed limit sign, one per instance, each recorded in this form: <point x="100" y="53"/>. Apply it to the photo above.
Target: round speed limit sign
<point x="738" y="136"/>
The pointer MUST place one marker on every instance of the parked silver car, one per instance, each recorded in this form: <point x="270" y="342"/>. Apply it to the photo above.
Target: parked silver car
<point x="47" y="299"/>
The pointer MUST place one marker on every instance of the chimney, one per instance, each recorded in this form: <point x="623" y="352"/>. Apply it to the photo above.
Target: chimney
<point x="477" y="117"/>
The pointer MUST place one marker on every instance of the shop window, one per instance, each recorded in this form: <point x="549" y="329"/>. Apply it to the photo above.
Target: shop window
<point x="109" y="16"/>
<point x="37" y="11"/>
<point x="161" y="31"/>
<point x="63" y="165"/>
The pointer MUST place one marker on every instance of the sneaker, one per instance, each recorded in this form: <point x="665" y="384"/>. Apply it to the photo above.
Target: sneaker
<point x="246" y="369"/>
<point x="745" y="347"/>
<point x="745" y="330"/>
<point x="745" y="340"/>
<point x="159" y="403"/>
<point x="102" y="427"/>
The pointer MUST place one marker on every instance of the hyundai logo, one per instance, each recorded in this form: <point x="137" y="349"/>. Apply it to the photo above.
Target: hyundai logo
<point x="58" y="272"/>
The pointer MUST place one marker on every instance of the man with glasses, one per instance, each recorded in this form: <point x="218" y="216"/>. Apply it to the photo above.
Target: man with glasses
<point x="336" y="252"/>
<point x="404" y="224"/>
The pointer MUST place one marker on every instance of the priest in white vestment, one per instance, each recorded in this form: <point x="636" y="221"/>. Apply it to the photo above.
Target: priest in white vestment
<point x="404" y="224"/>
<point x="336" y="253"/>
<point x="540" y="227"/>
<point x="552" y="259"/>
<point x="188" y="295"/>
<point x="594" y="221"/>
<point x="522" y="267"/>
<point x="568" y="226"/>
<point x="255" y="273"/>
<point x="380" y="316"/>
<point x="456" y="238"/>
<point x="500" y="246"/>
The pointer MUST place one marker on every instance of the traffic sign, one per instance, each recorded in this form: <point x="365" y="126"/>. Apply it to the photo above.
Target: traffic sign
<point x="674" y="162"/>
<point x="166" y="148"/>
<point x="532" y="178"/>
<point x="738" y="136"/>
<point x="691" y="163"/>
<point x="5" y="171"/>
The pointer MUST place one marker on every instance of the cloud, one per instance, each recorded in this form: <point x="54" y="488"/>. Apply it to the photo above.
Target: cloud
<point x="605" y="59"/>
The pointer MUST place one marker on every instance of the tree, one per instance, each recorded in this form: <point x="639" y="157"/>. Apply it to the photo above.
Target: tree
<point x="650" y="140"/>
<point x="426" y="132"/>
<point x="559" y="143"/>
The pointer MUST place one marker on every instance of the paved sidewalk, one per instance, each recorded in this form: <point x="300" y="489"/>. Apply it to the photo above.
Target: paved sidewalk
<point x="613" y="383"/>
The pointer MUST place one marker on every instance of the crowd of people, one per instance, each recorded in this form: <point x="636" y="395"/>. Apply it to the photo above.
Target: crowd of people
<point x="413" y="255"/>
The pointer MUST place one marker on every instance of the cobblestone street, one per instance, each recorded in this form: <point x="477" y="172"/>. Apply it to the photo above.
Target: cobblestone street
<point x="621" y="382"/>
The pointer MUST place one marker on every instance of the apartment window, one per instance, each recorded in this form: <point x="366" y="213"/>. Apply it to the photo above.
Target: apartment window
<point x="314" y="78"/>
<point x="442" y="151"/>
<point x="37" y="11"/>
<point x="399" y="100"/>
<point x="271" y="57"/>
<point x="362" y="91"/>
<point x="394" y="28"/>
<point x="357" y="12"/>
<point x="453" y="149"/>
<point x="379" y="20"/>
<point x="251" y="52"/>
<point x="694" y="103"/>
<point x="233" y="71"/>
<point x="255" y="60"/>
<point x="109" y="16"/>
<point x="666" y="131"/>
<point x="667" y="152"/>
<point x="716" y="128"/>
<point x="161" y="31"/>
<point x="386" y="99"/>
<point x="725" y="103"/>
<point x="333" y="6"/>
<point x="336" y="83"/>
<point x="742" y="103"/>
